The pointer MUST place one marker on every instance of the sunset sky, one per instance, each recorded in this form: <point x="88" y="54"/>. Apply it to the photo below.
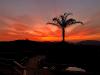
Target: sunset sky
<point x="26" y="19"/>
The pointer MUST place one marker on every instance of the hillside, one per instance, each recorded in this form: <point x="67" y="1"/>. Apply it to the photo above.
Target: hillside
<point x="83" y="54"/>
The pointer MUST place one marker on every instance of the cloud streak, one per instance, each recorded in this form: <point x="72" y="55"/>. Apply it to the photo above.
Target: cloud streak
<point x="26" y="19"/>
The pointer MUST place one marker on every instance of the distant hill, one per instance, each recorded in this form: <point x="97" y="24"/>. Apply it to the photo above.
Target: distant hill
<point x="90" y="42"/>
<point x="82" y="54"/>
<point x="27" y="47"/>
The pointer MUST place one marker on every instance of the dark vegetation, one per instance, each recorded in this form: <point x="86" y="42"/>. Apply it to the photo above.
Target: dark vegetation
<point x="83" y="54"/>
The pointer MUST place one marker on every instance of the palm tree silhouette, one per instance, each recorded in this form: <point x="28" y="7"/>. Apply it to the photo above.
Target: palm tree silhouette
<point x="62" y="22"/>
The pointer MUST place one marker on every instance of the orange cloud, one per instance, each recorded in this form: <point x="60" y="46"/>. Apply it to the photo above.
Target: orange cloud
<point x="25" y="27"/>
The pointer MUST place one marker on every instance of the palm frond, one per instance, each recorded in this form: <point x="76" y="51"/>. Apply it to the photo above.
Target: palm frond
<point x="70" y="21"/>
<point x="80" y="22"/>
<point x="53" y="24"/>
<point x="73" y="21"/>
<point x="57" y="20"/>
<point x="67" y="14"/>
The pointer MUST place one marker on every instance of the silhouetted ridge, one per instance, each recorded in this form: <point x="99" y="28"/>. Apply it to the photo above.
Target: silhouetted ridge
<point x="55" y="52"/>
<point x="90" y="42"/>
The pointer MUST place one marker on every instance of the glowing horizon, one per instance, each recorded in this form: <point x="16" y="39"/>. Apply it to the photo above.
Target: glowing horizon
<point x="26" y="19"/>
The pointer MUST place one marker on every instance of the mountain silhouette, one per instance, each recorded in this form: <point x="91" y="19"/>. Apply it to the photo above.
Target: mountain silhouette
<point x="90" y="42"/>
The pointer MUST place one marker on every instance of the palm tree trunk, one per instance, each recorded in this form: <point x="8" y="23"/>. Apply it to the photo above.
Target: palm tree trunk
<point x="63" y="34"/>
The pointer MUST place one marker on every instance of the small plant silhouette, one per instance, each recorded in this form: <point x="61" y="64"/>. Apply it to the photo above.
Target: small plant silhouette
<point x="62" y="22"/>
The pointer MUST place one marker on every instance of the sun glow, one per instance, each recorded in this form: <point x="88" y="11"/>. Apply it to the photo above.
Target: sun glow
<point x="15" y="29"/>
<point x="46" y="33"/>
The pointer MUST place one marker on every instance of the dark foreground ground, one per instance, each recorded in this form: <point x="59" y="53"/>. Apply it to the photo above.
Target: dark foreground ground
<point x="58" y="55"/>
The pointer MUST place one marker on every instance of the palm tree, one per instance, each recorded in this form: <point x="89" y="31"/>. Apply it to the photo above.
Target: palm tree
<point x="62" y="22"/>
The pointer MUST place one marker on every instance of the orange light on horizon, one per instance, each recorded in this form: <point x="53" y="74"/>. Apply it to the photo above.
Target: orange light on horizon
<point x="16" y="30"/>
<point x="49" y="36"/>
<point x="67" y="38"/>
